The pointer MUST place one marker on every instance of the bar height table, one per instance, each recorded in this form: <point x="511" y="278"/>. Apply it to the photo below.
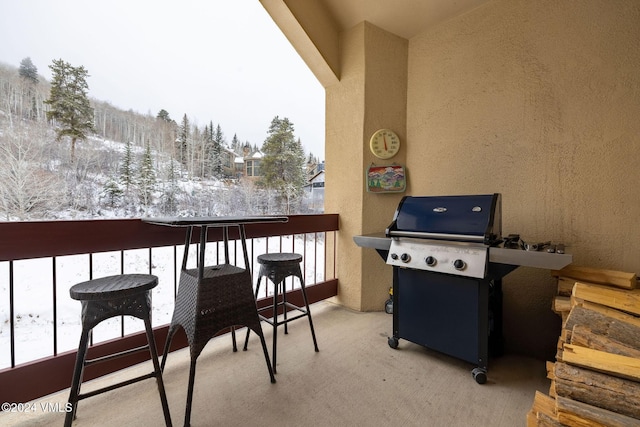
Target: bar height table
<point x="213" y="298"/>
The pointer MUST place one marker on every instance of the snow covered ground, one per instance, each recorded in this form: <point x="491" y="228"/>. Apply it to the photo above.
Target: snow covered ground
<point x="34" y="292"/>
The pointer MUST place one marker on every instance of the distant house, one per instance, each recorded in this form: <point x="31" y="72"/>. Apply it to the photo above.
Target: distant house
<point x="248" y="165"/>
<point x="238" y="163"/>
<point x="229" y="162"/>
<point x="314" y="190"/>
<point x="252" y="165"/>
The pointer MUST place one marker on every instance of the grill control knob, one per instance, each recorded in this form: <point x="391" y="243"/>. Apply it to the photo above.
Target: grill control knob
<point x="459" y="264"/>
<point x="431" y="261"/>
<point x="405" y="257"/>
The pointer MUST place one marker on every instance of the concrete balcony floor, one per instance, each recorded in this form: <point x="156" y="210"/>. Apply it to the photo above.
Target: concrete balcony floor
<point x="355" y="380"/>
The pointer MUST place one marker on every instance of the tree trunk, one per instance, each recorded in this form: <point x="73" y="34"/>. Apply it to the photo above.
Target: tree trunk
<point x="73" y="149"/>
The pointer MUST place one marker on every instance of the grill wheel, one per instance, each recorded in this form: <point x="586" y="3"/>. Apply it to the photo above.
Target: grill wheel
<point x="480" y="375"/>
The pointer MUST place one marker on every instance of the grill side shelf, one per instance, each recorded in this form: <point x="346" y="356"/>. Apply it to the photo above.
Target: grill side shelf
<point x="375" y="241"/>
<point x="545" y="260"/>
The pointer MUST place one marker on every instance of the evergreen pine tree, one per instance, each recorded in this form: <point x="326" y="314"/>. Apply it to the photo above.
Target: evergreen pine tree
<point x="126" y="169"/>
<point x="70" y="107"/>
<point x="197" y="160"/>
<point x="283" y="164"/>
<point x="113" y="192"/>
<point x="182" y="141"/>
<point x="218" y="144"/>
<point x="29" y="73"/>
<point x="209" y="158"/>
<point x="146" y="177"/>
<point x="236" y="145"/>
<point x="169" y="198"/>
<point x="163" y="115"/>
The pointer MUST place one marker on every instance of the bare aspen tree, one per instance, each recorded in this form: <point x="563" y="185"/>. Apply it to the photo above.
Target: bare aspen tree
<point x="27" y="188"/>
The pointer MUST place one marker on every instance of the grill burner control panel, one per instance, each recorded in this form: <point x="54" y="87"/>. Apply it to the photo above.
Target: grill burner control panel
<point x="458" y="258"/>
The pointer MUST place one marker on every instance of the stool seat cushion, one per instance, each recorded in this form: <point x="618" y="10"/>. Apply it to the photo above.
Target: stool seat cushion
<point x="279" y="258"/>
<point x="110" y="287"/>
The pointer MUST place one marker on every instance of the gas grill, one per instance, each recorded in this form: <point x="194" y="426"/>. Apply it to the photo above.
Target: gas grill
<point x="448" y="234"/>
<point x="447" y="270"/>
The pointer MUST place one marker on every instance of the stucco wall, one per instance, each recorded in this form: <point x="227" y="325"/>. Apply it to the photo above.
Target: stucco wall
<point x="539" y="101"/>
<point x="372" y="94"/>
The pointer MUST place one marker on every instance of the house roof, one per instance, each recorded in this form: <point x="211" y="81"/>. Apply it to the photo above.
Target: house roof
<point x="256" y="155"/>
<point x="316" y="175"/>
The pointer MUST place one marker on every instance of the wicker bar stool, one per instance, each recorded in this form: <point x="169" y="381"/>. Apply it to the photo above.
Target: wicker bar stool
<point x="127" y="294"/>
<point x="277" y="267"/>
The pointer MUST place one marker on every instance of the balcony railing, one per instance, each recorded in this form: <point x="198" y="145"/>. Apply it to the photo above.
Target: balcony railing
<point x="40" y="261"/>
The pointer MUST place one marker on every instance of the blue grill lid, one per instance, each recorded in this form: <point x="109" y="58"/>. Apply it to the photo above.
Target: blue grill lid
<point x="475" y="217"/>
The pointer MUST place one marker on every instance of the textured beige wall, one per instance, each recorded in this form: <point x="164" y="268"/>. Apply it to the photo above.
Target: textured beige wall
<point x="343" y="195"/>
<point x="373" y="73"/>
<point x="539" y="101"/>
<point x="386" y="107"/>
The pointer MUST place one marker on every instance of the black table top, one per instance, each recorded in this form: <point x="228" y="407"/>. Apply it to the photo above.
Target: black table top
<point x="213" y="221"/>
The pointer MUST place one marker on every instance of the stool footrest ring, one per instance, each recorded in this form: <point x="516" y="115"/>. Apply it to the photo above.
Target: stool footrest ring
<point x="89" y="362"/>
<point x="117" y="385"/>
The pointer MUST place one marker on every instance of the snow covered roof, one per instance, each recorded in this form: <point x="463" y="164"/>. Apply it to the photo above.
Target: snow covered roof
<point x="319" y="177"/>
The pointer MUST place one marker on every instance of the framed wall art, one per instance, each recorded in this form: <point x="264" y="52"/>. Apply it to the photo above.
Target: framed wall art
<point x="386" y="179"/>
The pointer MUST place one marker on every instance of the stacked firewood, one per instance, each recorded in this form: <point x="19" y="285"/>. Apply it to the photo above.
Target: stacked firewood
<point x="595" y="380"/>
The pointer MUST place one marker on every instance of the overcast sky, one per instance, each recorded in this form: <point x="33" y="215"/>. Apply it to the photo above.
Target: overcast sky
<point x="214" y="60"/>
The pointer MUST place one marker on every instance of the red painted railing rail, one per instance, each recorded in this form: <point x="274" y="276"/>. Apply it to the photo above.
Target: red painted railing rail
<point x="36" y="239"/>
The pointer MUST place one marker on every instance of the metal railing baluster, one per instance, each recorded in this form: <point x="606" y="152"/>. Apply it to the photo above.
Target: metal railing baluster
<point x="12" y="324"/>
<point x="55" y="307"/>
